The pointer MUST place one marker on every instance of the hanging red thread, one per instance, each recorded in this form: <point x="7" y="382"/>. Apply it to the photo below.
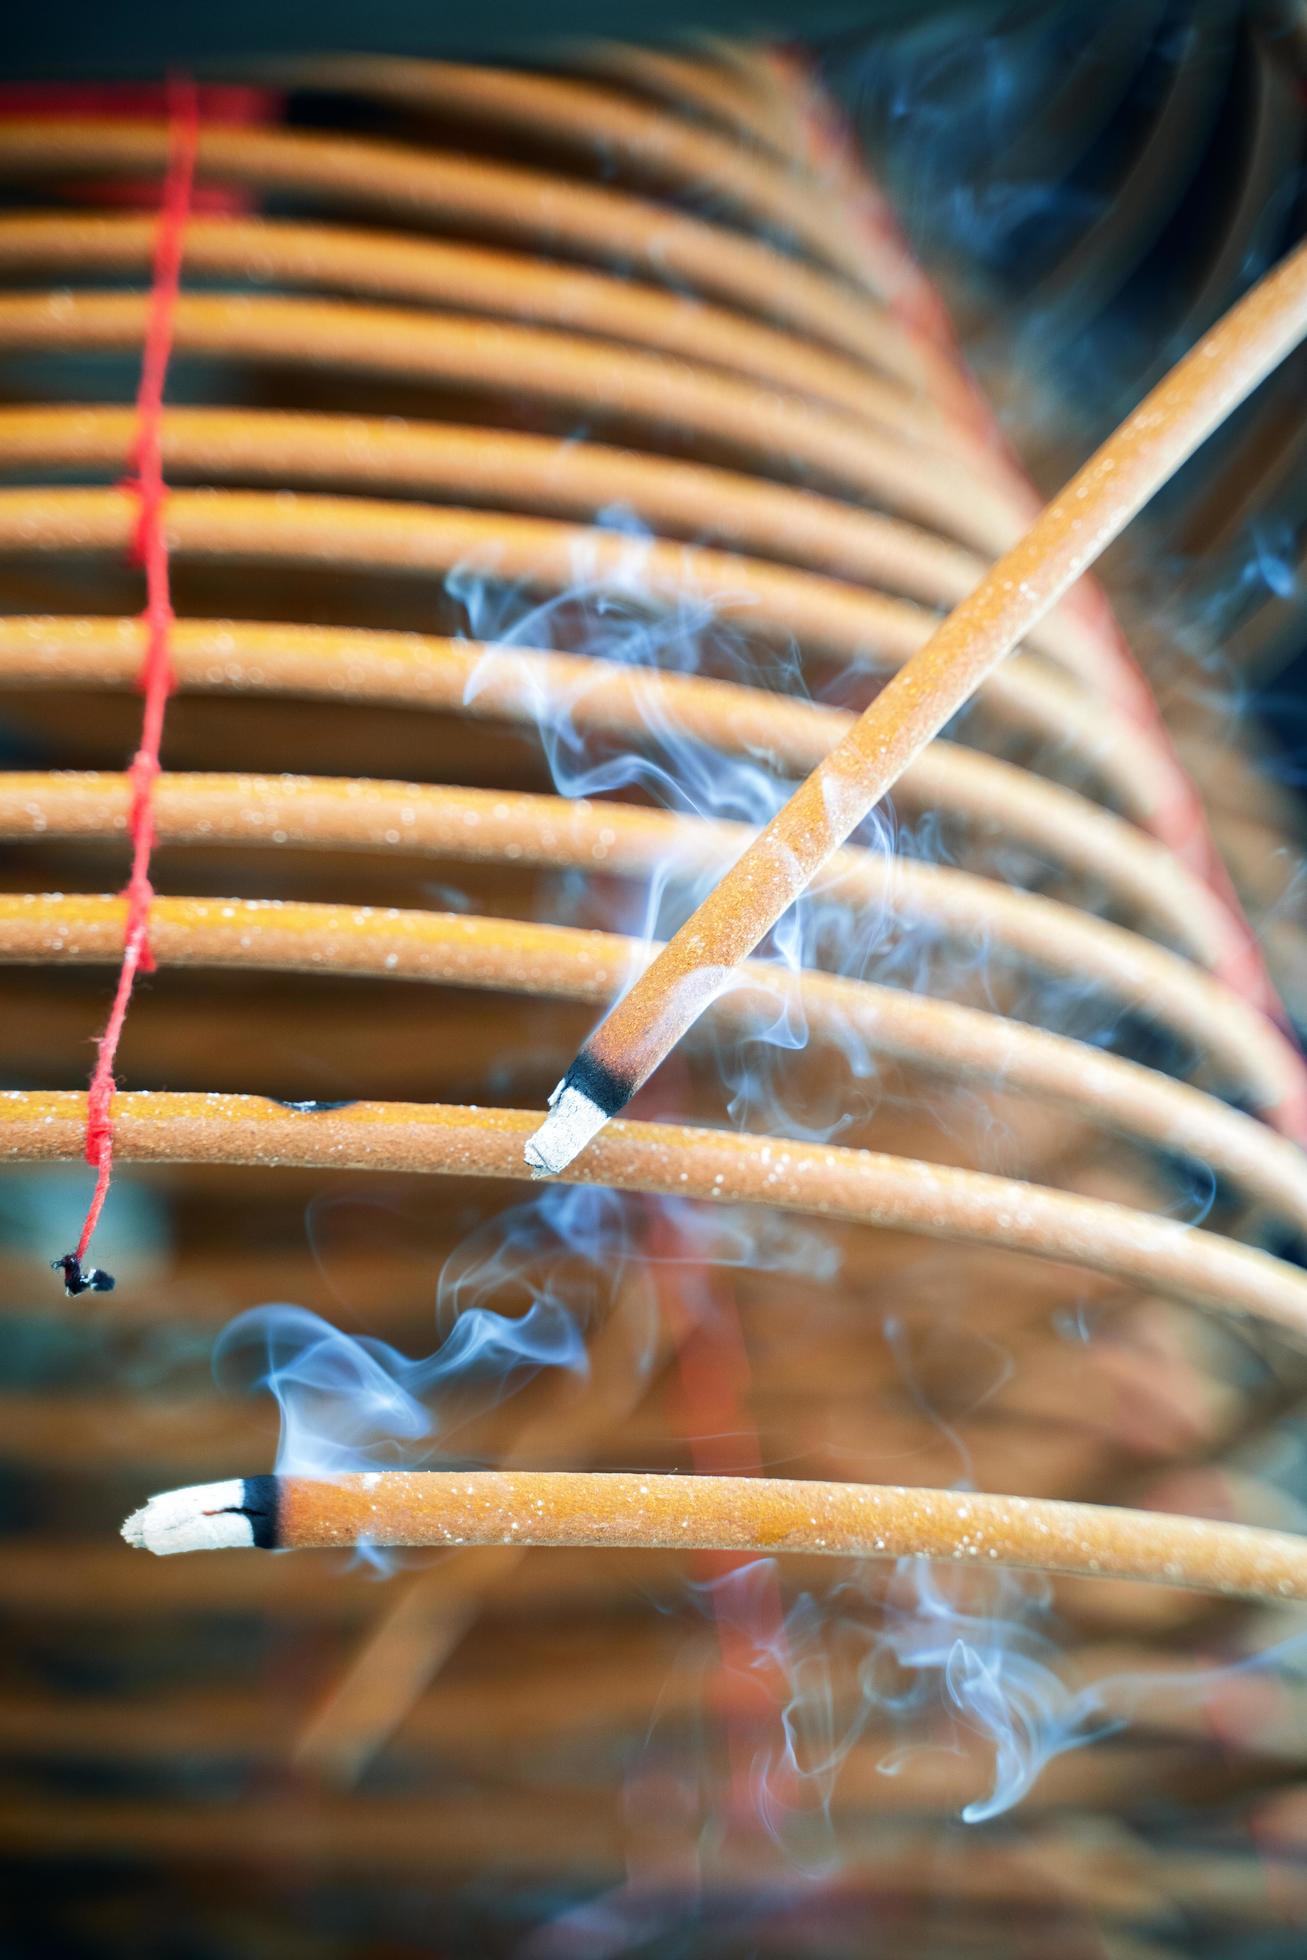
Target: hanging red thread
<point x="150" y="550"/>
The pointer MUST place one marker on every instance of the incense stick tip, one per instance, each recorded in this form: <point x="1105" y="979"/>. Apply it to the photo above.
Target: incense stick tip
<point x="573" y="1120"/>
<point x="201" y="1518"/>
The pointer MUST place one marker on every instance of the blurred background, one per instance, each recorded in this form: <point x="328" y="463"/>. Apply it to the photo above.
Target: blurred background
<point x="558" y="1754"/>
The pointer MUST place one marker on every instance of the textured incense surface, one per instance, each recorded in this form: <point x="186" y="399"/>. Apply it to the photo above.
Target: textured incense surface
<point x="861" y="1186"/>
<point x="522" y="685"/>
<point x="773" y="520"/>
<point x="745" y="1514"/>
<point x="569" y="964"/>
<point x="507" y="201"/>
<point x="624" y="840"/>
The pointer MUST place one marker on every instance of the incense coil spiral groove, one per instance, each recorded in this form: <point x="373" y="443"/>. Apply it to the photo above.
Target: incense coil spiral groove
<point x="379" y="387"/>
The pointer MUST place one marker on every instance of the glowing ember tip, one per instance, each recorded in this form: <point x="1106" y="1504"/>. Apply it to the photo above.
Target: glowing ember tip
<point x="572" y="1121"/>
<point x="201" y="1518"/>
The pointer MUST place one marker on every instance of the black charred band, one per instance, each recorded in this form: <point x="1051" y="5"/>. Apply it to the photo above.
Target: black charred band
<point x="606" y="1089"/>
<point x="79" y="1279"/>
<point x="261" y="1504"/>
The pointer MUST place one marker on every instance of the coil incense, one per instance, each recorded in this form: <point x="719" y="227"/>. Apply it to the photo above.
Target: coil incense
<point x="480" y="826"/>
<point x="529" y="685"/>
<point x="568" y="964"/>
<point x="742" y="1514"/>
<point x="1070" y="534"/>
<point x="718" y="1167"/>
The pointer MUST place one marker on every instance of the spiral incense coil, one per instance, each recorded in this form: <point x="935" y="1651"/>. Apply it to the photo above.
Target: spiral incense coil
<point x="552" y="466"/>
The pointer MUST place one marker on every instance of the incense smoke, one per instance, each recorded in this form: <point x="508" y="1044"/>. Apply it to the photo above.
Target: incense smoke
<point x="529" y="1288"/>
<point x="555" y="1267"/>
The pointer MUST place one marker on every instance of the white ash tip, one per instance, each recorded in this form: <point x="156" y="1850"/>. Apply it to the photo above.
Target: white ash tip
<point x="572" y="1122"/>
<point x="201" y="1518"/>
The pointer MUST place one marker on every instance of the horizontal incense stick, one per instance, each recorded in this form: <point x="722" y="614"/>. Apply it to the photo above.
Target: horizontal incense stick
<point x="505" y="683"/>
<point x="566" y="215"/>
<point x="562" y="962"/>
<point x="794" y="197"/>
<point x="523" y="470"/>
<point x="775" y="603"/>
<point x="717" y="1166"/>
<point x="748" y="1514"/>
<point x="562" y="369"/>
<point x="621" y="840"/>
<point x="394" y="265"/>
<point x="1063" y="542"/>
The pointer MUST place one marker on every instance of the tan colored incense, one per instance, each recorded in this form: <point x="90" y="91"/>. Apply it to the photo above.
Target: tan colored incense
<point x="1111" y="1873"/>
<point x="512" y="469"/>
<point x="746" y="1514"/>
<point x="793" y="480"/>
<point x="1064" y="541"/>
<point x="510" y="202"/>
<point x="583" y="116"/>
<point x="774" y="601"/>
<point x="509" y="827"/>
<point x="562" y="371"/>
<point x="821" y="1180"/>
<point x="392" y="265"/>
<point x="566" y="963"/>
<point x="528" y="685"/>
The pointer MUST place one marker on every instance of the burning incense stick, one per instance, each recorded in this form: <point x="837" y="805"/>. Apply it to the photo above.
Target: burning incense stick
<point x="717" y="1166"/>
<point x="1065" y="539"/>
<point x="750" y="1514"/>
<point x="622" y="840"/>
<point x="562" y="962"/>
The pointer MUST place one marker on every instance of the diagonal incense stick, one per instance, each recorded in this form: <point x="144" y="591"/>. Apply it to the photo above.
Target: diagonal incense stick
<point x="565" y="963"/>
<point x="752" y="1514"/>
<point x="1069" y="534"/>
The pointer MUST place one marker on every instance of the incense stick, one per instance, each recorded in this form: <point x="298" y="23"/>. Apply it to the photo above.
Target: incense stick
<point x="393" y="265"/>
<point x="564" y="371"/>
<point x="566" y="215"/>
<point x="621" y="840"/>
<point x="749" y="1514"/>
<point x="717" y="1166"/>
<point x="1067" y="537"/>
<point x="529" y="685"/>
<point x="520" y="470"/>
<point x="562" y="962"/>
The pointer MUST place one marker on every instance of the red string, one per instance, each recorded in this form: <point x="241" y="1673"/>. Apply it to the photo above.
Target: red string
<point x="149" y="549"/>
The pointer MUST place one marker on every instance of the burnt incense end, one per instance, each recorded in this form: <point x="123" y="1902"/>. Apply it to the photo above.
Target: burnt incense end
<point x="237" y="1515"/>
<point x="582" y="1103"/>
<point x="81" y="1279"/>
